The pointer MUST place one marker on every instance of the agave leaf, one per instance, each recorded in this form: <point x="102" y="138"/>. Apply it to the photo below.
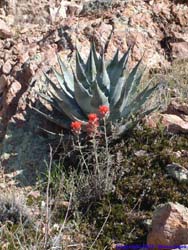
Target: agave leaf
<point x="117" y="70"/>
<point x="113" y="62"/>
<point x="149" y="111"/>
<point x="117" y="92"/>
<point x="98" y="98"/>
<point x="95" y="56"/>
<point x="67" y="104"/>
<point x="131" y="84"/>
<point x="80" y="59"/>
<point x="137" y="103"/>
<point x="62" y="83"/>
<point x="103" y="78"/>
<point x="80" y="74"/>
<point x="122" y="130"/>
<point x="45" y="97"/>
<point x="82" y="96"/>
<point x="91" y="68"/>
<point x="50" y="81"/>
<point x="63" y="122"/>
<point x="123" y="61"/>
<point x="134" y="77"/>
<point x="67" y="74"/>
<point x="53" y="102"/>
<point x="137" y="81"/>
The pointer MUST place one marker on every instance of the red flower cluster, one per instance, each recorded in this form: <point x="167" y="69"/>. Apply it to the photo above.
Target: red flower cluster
<point x="103" y="110"/>
<point x="93" y="118"/>
<point x="93" y="123"/>
<point x="76" y="127"/>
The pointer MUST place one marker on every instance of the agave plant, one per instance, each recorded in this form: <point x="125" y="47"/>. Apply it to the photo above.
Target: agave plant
<point x="94" y="83"/>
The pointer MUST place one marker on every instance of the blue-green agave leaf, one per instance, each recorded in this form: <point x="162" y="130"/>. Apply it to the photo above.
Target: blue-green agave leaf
<point x="122" y="130"/>
<point x="67" y="74"/>
<point x="91" y="68"/>
<point x="117" y="70"/>
<point x="98" y="98"/>
<point x="80" y="59"/>
<point x="137" y="103"/>
<point x="113" y="62"/>
<point x="130" y="85"/>
<point x="117" y="92"/>
<point x="62" y="83"/>
<point x="80" y="74"/>
<point x="52" y="101"/>
<point x="68" y="104"/>
<point x="103" y="78"/>
<point x="64" y="122"/>
<point x="82" y="96"/>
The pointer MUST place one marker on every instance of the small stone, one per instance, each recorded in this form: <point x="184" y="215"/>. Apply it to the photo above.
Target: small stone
<point x="141" y="153"/>
<point x="7" y="67"/>
<point x="5" y="31"/>
<point x="177" y="172"/>
<point x="180" y="50"/>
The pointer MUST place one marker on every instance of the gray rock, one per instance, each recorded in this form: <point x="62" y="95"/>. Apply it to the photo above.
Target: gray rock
<point x="178" y="172"/>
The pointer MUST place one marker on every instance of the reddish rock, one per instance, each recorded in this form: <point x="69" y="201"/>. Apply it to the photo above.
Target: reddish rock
<point x="175" y="118"/>
<point x="180" y="50"/>
<point x="177" y="108"/>
<point x="174" y="123"/>
<point x="169" y="225"/>
<point x="7" y="67"/>
<point x="5" y="31"/>
<point x="180" y="14"/>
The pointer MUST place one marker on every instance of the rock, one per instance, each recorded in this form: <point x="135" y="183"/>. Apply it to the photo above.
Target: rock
<point x="3" y="83"/>
<point x="174" y="123"/>
<point x="5" y="31"/>
<point x="175" y="118"/>
<point x="169" y="225"/>
<point x="179" y="50"/>
<point x="9" y="6"/>
<point x="141" y="153"/>
<point x="178" y="172"/>
<point x="10" y="99"/>
<point x="74" y="9"/>
<point x="180" y="14"/>
<point x="57" y="13"/>
<point x="177" y="107"/>
<point x="7" y="67"/>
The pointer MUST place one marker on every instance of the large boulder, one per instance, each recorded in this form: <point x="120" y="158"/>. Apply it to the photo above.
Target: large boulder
<point x="169" y="226"/>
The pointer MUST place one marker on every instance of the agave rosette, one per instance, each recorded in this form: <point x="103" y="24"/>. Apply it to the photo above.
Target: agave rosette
<point x="94" y="83"/>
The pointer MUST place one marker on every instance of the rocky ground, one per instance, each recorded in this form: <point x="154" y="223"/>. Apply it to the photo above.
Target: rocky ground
<point x="31" y="34"/>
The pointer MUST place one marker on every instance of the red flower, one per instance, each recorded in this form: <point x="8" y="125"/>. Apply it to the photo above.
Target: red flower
<point x="76" y="126"/>
<point x="103" y="110"/>
<point x="93" y="118"/>
<point x="93" y="123"/>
